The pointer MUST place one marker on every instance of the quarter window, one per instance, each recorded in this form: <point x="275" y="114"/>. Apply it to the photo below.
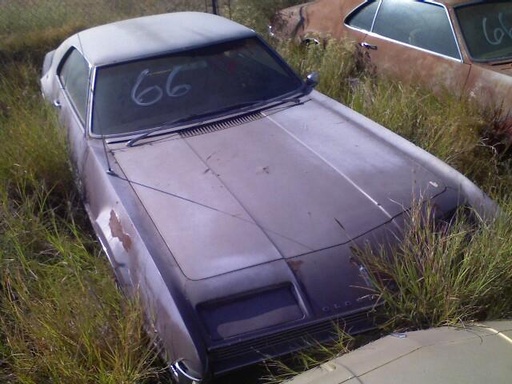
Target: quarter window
<point x="362" y="17"/>
<point x="423" y="25"/>
<point x="74" y="76"/>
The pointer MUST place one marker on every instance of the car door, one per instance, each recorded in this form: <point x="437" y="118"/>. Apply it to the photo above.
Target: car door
<point x="73" y="75"/>
<point x="413" y="41"/>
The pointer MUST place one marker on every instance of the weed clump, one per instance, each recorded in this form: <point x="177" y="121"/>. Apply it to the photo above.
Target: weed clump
<point x="443" y="273"/>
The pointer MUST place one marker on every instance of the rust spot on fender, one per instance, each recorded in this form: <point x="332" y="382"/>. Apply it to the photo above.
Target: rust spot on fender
<point x="117" y="231"/>
<point x="295" y="265"/>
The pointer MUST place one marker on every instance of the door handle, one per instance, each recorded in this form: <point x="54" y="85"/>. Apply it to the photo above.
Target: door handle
<point x="56" y="103"/>
<point x="368" y="46"/>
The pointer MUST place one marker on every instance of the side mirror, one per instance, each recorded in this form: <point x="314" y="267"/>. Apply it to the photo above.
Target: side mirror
<point x="312" y="80"/>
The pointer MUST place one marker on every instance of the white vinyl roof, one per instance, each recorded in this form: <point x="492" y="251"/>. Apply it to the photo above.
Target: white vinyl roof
<point x="151" y="35"/>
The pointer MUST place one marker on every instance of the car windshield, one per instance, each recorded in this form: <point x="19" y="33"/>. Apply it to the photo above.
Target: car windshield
<point x="139" y="95"/>
<point x="487" y="29"/>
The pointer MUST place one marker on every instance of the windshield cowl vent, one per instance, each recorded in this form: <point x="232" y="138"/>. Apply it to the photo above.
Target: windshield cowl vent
<point x="220" y="125"/>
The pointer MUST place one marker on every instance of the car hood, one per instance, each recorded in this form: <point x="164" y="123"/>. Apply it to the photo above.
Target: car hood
<point x="278" y="186"/>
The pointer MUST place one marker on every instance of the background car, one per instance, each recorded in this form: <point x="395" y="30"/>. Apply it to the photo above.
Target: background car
<point x="228" y="193"/>
<point x="461" y="46"/>
<point x="475" y="353"/>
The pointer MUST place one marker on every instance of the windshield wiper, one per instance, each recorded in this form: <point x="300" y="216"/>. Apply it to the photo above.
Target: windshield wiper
<point x="167" y="124"/>
<point x="256" y="104"/>
<point x="240" y="107"/>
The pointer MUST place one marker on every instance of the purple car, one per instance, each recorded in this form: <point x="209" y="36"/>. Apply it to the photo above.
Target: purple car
<point x="228" y="193"/>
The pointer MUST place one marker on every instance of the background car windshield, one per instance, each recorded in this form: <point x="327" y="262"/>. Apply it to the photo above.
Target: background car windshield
<point x="138" y="95"/>
<point x="487" y="29"/>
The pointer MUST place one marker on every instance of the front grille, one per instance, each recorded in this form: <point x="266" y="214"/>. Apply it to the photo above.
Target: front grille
<point x="241" y="353"/>
<point x="224" y="124"/>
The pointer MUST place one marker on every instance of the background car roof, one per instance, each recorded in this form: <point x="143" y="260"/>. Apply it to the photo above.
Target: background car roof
<point x="157" y="34"/>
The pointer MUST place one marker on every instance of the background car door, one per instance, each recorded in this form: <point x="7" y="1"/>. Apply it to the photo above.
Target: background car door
<point x="414" y="42"/>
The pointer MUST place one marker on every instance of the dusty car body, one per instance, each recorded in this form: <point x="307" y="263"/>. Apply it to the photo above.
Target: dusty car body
<point x="228" y="192"/>
<point x="461" y="46"/>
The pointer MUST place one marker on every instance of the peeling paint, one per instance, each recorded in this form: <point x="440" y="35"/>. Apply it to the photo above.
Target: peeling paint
<point x="295" y="265"/>
<point x="118" y="232"/>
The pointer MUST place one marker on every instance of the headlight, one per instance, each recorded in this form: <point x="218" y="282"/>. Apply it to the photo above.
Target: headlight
<point x="183" y="375"/>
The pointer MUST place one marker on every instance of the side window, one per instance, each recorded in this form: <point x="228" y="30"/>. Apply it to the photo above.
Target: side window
<point x="421" y="24"/>
<point x="362" y="17"/>
<point x="74" y="76"/>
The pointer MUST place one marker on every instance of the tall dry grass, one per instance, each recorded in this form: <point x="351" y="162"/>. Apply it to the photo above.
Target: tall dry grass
<point x="61" y="316"/>
<point x="444" y="273"/>
<point x="62" y="319"/>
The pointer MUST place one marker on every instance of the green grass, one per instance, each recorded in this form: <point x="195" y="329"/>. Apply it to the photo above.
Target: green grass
<point x="27" y="16"/>
<point x="34" y="151"/>
<point x="62" y="318"/>
<point x="286" y="368"/>
<point x="438" y="276"/>
<point x="255" y="13"/>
